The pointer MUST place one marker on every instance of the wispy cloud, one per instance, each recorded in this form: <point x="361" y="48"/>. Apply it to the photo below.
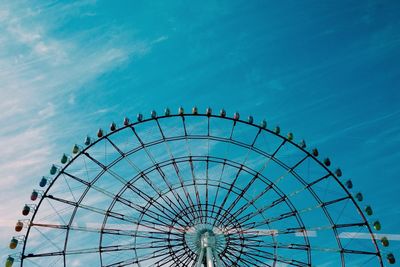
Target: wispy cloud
<point x="38" y="68"/>
<point x="369" y="123"/>
<point x="48" y="111"/>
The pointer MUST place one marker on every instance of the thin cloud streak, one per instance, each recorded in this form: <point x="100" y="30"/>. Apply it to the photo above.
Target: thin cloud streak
<point x="353" y="127"/>
<point x="41" y="68"/>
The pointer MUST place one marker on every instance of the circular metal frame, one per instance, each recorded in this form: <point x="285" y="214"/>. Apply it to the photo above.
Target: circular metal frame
<point x="174" y="174"/>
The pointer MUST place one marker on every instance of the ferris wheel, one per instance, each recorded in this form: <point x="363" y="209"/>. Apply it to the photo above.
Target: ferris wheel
<point x="196" y="189"/>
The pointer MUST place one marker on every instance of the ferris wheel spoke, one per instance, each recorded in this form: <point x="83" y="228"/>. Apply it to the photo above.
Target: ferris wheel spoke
<point x="144" y="146"/>
<point x="179" y="257"/>
<point x="171" y="208"/>
<point x="81" y="251"/>
<point x="168" y="206"/>
<point x="189" y="258"/>
<point x="272" y="156"/>
<point x="160" y="193"/>
<point x="190" y="202"/>
<point x="207" y="167"/>
<point x="224" y="163"/>
<point x="323" y="205"/>
<point x="292" y="230"/>
<point x="319" y="180"/>
<point x="146" y="179"/>
<point x="293" y="246"/>
<point x="257" y="254"/>
<point x="125" y="201"/>
<point x="245" y="218"/>
<point x="282" y="199"/>
<point x="48" y="239"/>
<point x="54" y="263"/>
<point x="222" y="205"/>
<point x="207" y="189"/>
<point x="101" y="165"/>
<point x="232" y="129"/>
<point x="218" y="188"/>
<point x="278" y="201"/>
<point x="155" y="254"/>
<point x="56" y="211"/>
<point x="162" y="208"/>
<point x="138" y="138"/>
<point x="166" y="181"/>
<point x="260" y="210"/>
<point x="109" y="231"/>
<point x="251" y="147"/>
<point x="177" y="197"/>
<point x="121" y="263"/>
<point x="199" y="211"/>
<point x="250" y="202"/>
<point x="225" y="261"/>
<point x="282" y="217"/>
<point x="181" y="203"/>
<point x="76" y="178"/>
<point x="119" y="216"/>
<point x="186" y="193"/>
<point x="149" y="213"/>
<point x="124" y="181"/>
<point x="252" y="225"/>
<point x="196" y="190"/>
<point x="270" y="185"/>
<point x="316" y="248"/>
<point x="115" y="146"/>
<point x="290" y="170"/>
<point x="168" y="258"/>
<point x="159" y="244"/>
<point x="241" y="258"/>
<point x="186" y="260"/>
<point x="69" y="187"/>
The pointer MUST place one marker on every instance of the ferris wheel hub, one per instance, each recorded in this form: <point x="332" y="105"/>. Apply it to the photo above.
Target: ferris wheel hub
<point x="203" y="236"/>
<point x="206" y="241"/>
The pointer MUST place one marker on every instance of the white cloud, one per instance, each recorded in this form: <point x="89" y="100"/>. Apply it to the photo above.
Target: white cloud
<point x="41" y="76"/>
<point x="48" y="111"/>
<point x="36" y="71"/>
<point x="362" y="124"/>
<point x="160" y="39"/>
<point x="102" y="111"/>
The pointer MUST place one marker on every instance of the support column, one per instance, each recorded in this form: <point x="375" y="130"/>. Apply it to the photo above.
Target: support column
<point x="199" y="262"/>
<point x="207" y="253"/>
<point x="210" y="257"/>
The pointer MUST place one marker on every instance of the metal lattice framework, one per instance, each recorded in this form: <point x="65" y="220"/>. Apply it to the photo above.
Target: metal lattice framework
<point x="196" y="190"/>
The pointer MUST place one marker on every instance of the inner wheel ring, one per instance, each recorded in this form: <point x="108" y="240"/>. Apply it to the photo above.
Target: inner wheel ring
<point x="284" y="205"/>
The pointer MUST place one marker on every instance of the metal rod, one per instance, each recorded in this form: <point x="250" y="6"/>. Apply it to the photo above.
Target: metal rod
<point x="217" y="260"/>
<point x="210" y="258"/>
<point x="200" y="259"/>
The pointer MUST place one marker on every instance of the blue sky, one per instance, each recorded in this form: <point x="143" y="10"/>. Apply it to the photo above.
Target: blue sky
<point x="328" y="71"/>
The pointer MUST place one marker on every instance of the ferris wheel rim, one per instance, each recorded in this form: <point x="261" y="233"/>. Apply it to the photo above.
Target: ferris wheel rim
<point x="106" y="136"/>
